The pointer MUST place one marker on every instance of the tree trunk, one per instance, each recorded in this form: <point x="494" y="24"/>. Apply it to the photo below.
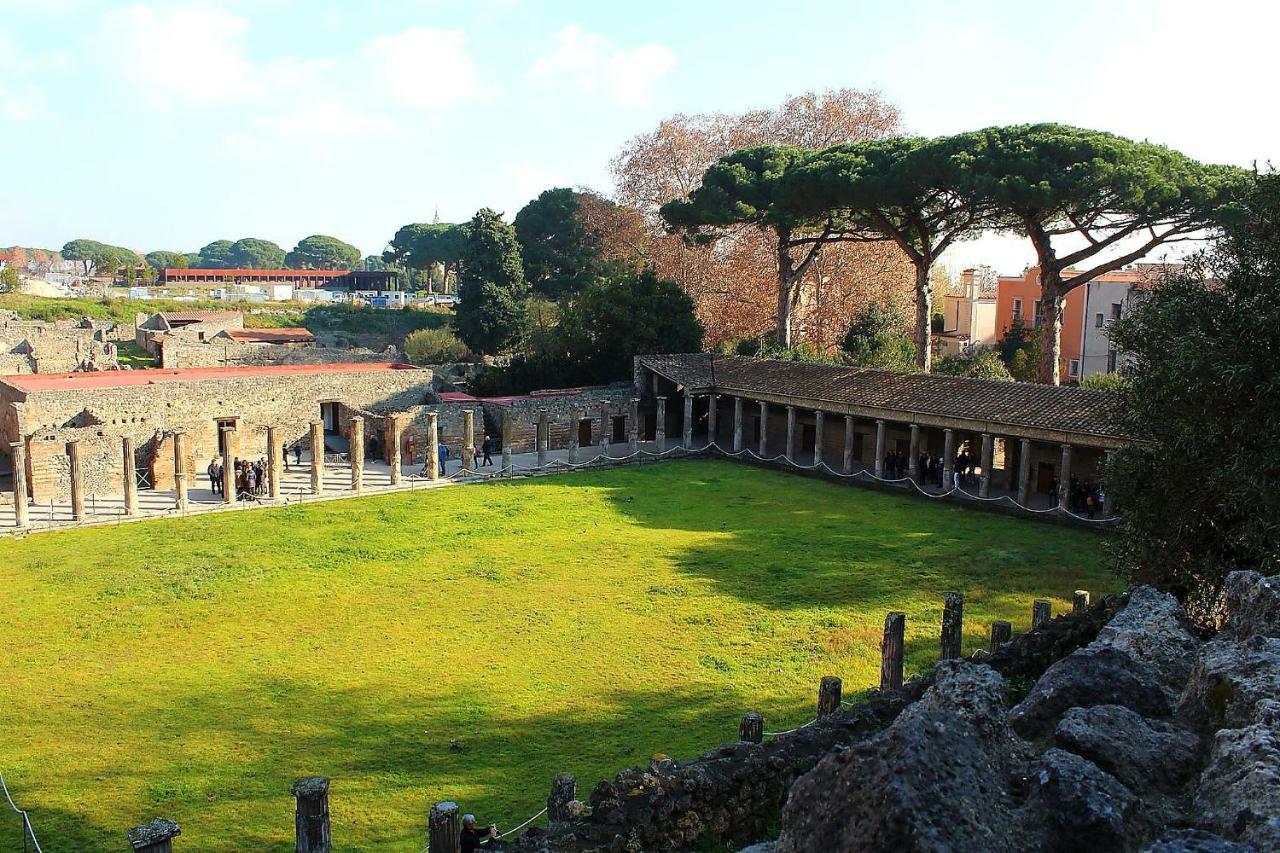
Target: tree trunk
<point x="924" y="318"/>
<point x="786" y="281"/>
<point x="1049" y="324"/>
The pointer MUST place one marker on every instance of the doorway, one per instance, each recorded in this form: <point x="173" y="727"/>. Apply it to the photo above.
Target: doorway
<point x="808" y="437"/>
<point x="619" y="428"/>
<point x="1044" y="478"/>
<point x="226" y="428"/>
<point x="329" y="414"/>
<point x="584" y="433"/>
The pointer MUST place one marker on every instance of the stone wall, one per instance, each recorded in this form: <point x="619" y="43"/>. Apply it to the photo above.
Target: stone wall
<point x="562" y="408"/>
<point x="181" y="353"/>
<point x="62" y="346"/>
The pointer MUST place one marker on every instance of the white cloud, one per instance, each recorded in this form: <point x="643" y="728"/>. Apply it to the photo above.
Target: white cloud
<point x="191" y="52"/>
<point x="320" y="127"/>
<point x="597" y="66"/>
<point x="425" y="67"/>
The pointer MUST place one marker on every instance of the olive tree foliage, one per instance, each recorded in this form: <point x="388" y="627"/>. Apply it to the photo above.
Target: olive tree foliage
<point x="1090" y="202"/>
<point x="746" y="189"/>
<point x="491" y="285"/>
<point x="910" y="190"/>
<point x="1197" y="492"/>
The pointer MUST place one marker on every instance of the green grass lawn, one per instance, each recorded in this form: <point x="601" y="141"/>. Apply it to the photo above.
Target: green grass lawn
<point x="465" y="643"/>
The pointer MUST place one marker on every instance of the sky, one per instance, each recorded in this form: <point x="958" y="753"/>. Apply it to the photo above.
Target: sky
<point x="166" y="125"/>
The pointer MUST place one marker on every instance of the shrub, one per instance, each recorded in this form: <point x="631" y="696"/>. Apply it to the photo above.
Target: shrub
<point x="434" y="346"/>
<point x="1104" y="382"/>
<point x="879" y="338"/>
<point x="978" y="363"/>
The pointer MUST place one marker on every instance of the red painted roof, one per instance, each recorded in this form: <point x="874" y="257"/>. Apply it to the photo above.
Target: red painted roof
<point x="128" y="378"/>
<point x="170" y="272"/>
<point x="282" y="335"/>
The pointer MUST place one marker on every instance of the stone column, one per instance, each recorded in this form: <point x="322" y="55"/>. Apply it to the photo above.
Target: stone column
<point x="506" y="440"/>
<point x="311" y="819"/>
<point x="686" y="438"/>
<point x="273" y="462"/>
<point x="468" y="439"/>
<point x="604" y="427"/>
<point x="988" y="459"/>
<point x="1108" y="502"/>
<point x="444" y="827"/>
<point x="20" y="507"/>
<point x="154" y="837"/>
<point x="564" y="790"/>
<point x="1064" y="479"/>
<point x="818" y="417"/>
<point x="791" y="434"/>
<point x="575" y="423"/>
<point x="228" y="466"/>
<point x="948" y="457"/>
<point x="713" y="402"/>
<point x="129" y="476"/>
<point x="433" y="446"/>
<point x="392" y="428"/>
<point x="660" y="424"/>
<point x="879" y="460"/>
<point x="847" y="462"/>
<point x="355" y="443"/>
<point x="317" y="457"/>
<point x="1024" y="471"/>
<point x="913" y="462"/>
<point x="633" y="430"/>
<point x="180" y="484"/>
<point x="543" y="437"/>
<point x="737" y="424"/>
<point x="77" y="484"/>
<point x="763" y="449"/>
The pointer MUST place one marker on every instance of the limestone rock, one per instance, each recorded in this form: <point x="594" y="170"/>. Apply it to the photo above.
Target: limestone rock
<point x="933" y="780"/>
<point x="1239" y="791"/>
<point x="1196" y="841"/>
<point x="1095" y="675"/>
<point x="1251" y="606"/>
<point x="1229" y="679"/>
<point x="1153" y="629"/>
<point x="1080" y="806"/>
<point x="1140" y="753"/>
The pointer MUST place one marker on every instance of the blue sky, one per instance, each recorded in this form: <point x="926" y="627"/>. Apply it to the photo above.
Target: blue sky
<point x="171" y="124"/>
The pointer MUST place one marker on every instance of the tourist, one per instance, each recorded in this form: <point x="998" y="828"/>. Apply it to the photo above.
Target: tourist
<point x="442" y="451"/>
<point x="297" y="453"/>
<point x="475" y="457"/>
<point x="215" y="476"/>
<point x="475" y="839"/>
<point x="487" y="447"/>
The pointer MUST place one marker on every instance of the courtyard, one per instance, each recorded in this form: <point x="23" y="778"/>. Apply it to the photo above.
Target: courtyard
<point x="467" y="644"/>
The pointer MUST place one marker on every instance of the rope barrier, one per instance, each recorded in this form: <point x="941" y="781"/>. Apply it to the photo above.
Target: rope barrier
<point x="791" y="731"/>
<point x="523" y="825"/>
<point x="27" y="831"/>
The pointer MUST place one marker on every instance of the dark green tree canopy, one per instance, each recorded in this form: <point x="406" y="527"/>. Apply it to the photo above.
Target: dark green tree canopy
<point x="99" y="258"/>
<point x="420" y="245"/>
<point x="560" y="255"/>
<point x="256" y="254"/>
<point x="161" y="259"/>
<point x="491" y="285"/>
<point x="217" y="255"/>
<point x="321" y="252"/>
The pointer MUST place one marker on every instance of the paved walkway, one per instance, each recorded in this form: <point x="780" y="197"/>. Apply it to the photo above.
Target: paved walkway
<point x="295" y="486"/>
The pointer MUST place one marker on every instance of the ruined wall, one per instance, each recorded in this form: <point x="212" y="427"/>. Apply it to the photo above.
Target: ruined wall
<point x="561" y="411"/>
<point x="63" y="346"/>
<point x="179" y="353"/>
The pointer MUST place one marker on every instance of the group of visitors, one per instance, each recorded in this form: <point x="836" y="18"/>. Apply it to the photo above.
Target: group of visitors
<point x="930" y="470"/>
<point x="1085" y="498"/>
<point x="481" y="456"/>
<point x="250" y="478"/>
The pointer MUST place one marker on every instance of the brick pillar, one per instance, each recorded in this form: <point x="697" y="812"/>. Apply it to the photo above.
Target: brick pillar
<point x="1024" y="471"/>
<point x="506" y="440"/>
<point x="273" y="462"/>
<point x="1064" y="479"/>
<point x="791" y="434"/>
<point x="604" y="427"/>
<point x="818" y="418"/>
<point x="913" y="463"/>
<point x="317" y="457"/>
<point x="948" y="457"/>
<point x="154" y="837"/>
<point x="355" y="444"/>
<point x="988" y="460"/>
<point x="129" y="476"/>
<point x="880" y="440"/>
<point x="392" y="429"/>
<point x="737" y="424"/>
<point x="20" y="506"/>
<point x="180" y="482"/>
<point x="847" y="462"/>
<point x="468" y="439"/>
<point x="77" y="483"/>
<point x="633" y="428"/>
<point x="763" y="449"/>
<point x="713" y="403"/>
<point x="228" y="466"/>
<point x="433" y="446"/>
<point x="575" y="423"/>
<point x="543" y="437"/>
<point x="686" y="438"/>
<point x="311" y="819"/>
<point x="660" y="424"/>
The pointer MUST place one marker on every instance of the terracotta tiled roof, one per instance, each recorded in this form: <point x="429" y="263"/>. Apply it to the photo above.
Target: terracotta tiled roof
<point x="128" y="378"/>
<point x="271" y="336"/>
<point x="1024" y="404"/>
